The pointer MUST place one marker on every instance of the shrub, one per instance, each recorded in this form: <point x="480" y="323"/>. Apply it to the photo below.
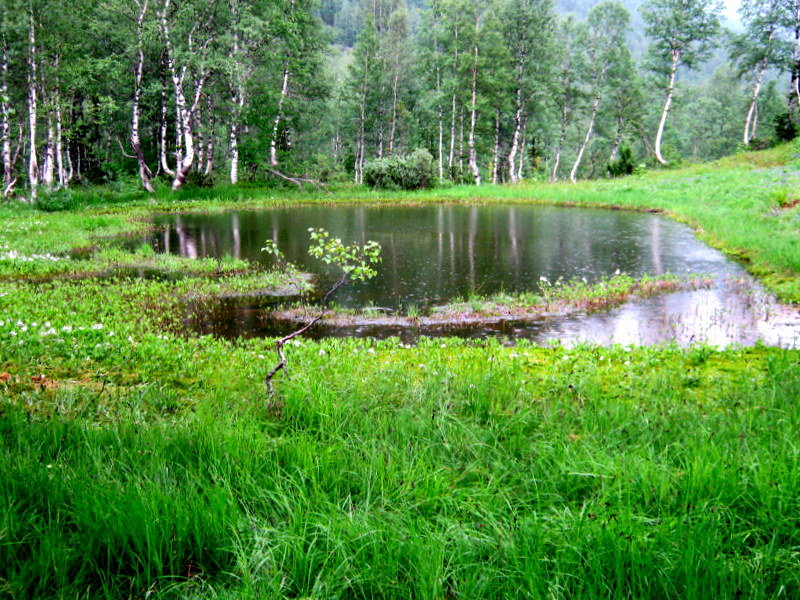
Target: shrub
<point x="624" y="165"/>
<point x="785" y="127"/>
<point x="56" y="200"/>
<point x="410" y="172"/>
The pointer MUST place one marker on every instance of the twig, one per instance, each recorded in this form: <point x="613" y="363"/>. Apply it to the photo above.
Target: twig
<point x="285" y="340"/>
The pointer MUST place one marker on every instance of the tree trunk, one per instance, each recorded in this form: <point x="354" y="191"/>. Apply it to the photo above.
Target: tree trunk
<point x="512" y="154"/>
<point x="209" y="169"/>
<point x="473" y="119"/>
<point x="749" y="125"/>
<point x="521" y="163"/>
<point x="237" y="99"/>
<point x="60" y="168"/>
<point x="48" y="167"/>
<point x="439" y="109"/>
<point x="5" y="128"/>
<point x="496" y="150"/>
<point x="273" y="145"/>
<point x="33" y="164"/>
<point x="573" y="176"/>
<point x="617" y="139"/>
<point x="676" y="55"/>
<point x="144" y="171"/>
<point x="561" y="140"/>
<point x="451" y="158"/>
<point x="163" y="158"/>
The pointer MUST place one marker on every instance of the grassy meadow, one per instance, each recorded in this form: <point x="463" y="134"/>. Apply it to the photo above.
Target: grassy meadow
<point x="140" y="462"/>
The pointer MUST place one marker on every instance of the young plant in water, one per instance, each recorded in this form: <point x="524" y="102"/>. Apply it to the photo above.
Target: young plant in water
<point x="355" y="262"/>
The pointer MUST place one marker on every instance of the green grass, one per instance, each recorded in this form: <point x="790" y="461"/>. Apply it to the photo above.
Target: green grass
<point x="450" y="470"/>
<point x="140" y="462"/>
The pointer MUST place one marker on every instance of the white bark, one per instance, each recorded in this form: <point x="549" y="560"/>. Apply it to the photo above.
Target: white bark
<point x="5" y="128"/>
<point x="144" y="171"/>
<point x="676" y="55"/>
<point x="273" y="145"/>
<point x="33" y="165"/>
<point x="473" y="118"/>
<point x="496" y="150"/>
<point x="184" y="111"/>
<point x="573" y="175"/>
<point x="59" y="146"/>
<point x="749" y="124"/>
<point x="164" y="160"/>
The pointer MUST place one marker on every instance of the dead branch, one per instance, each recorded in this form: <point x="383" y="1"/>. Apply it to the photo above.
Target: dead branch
<point x="298" y="181"/>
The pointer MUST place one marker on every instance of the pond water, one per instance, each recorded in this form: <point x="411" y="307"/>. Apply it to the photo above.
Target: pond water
<point x="436" y="253"/>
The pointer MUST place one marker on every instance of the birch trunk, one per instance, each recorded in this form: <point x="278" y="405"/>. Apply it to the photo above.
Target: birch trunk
<point x="209" y="170"/>
<point x="573" y="175"/>
<point x="33" y="164"/>
<point x="48" y="168"/>
<point x="237" y="99"/>
<point x="395" y="85"/>
<point x="749" y="124"/>
<point x="496" y="150"/>
<point x="184" y="111"/>
<point x="60" y="168"/>
<point x="473" y="119"/>
<point x="273" y="145"/>
<point x="439" y="102"/>
<point x="163" y="158"/>
<point x="144" y="171"/>
<point x="522" y="144"/>
<point x="512" y="155"/>
<point x="676" y="55"/>
<point x="451" y="158"/>
<point x="561" y="140"/>
<point x="617" y="140"/>
<point x="5" y="128"/>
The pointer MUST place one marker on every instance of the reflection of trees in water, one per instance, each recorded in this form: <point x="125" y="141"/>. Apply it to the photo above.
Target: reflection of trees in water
<point x="440" y="252"/>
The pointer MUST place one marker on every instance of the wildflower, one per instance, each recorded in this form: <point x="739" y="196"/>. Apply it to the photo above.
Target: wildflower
<point x="97" y="326"/>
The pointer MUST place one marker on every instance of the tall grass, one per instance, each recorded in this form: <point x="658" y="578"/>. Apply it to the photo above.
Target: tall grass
<point x="465" y="471"/>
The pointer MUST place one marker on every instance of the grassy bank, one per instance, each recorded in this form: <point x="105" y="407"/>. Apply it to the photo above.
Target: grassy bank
<point x="138" y="462"/>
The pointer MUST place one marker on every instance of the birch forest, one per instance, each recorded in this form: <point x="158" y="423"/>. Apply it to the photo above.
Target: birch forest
<point x="151" y="93"/>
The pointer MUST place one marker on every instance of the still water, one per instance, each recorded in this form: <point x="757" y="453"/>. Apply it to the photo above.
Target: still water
<point x="436" y="253"/>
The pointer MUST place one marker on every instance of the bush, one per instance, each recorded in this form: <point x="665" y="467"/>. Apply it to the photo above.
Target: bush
<point x="785" y="127"/>
<point x="624" y="165"/>
<point x="411" y="172"/>
<point x="56" y="200"/>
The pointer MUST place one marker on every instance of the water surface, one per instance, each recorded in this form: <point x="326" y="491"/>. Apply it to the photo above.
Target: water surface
<point x="437" y="253"/>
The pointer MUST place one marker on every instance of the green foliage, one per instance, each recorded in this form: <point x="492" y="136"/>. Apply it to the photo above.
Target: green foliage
<point x="355" y="260"/>
<point x="56" y="200"/>
<point x="412" y="172"/>
<point x="624" y="165"/>
<point x="785" y="127"/>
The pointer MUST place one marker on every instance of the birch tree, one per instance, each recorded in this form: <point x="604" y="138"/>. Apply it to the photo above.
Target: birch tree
<point x="363" y="83"/>
<point x="187" y="34"/>
<point x="682" y="33"/>
<point x="528" y="29"/>
<point x="757" y="49"/>
<point x="566" y="84"/>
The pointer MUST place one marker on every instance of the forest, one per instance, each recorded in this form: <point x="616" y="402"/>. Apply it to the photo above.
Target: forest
<point x="164" y="92"/>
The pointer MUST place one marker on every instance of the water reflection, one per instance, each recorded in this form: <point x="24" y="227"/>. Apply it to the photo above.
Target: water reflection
<point x="432" y="254"/>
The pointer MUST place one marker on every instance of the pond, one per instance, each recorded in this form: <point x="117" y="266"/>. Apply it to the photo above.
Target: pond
<point x="437" y="253"/>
